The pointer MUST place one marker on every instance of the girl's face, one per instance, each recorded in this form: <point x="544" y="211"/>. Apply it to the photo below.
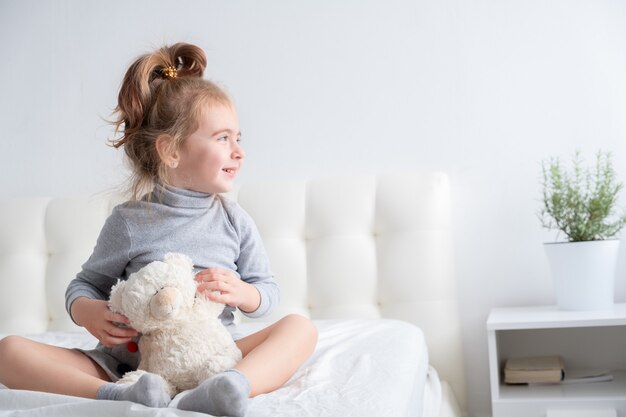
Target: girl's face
<point x="209" y="159"/>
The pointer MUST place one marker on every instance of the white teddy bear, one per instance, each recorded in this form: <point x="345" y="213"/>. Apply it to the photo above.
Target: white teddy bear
<point x="182" y="337"/>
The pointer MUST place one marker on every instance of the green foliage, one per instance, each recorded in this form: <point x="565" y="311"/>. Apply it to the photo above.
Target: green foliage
<point x="581" y="202"/>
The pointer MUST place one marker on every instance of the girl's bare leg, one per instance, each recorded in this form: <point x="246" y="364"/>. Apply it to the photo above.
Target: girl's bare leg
<point x="272" y="355"/>
<point x="29" y="365"/>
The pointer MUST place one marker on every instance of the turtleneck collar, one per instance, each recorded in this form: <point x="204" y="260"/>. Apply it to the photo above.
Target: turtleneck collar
<point x="179" y="197"/>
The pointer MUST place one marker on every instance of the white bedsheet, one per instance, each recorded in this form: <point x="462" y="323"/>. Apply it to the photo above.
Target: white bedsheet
<point x="360" y="368"/>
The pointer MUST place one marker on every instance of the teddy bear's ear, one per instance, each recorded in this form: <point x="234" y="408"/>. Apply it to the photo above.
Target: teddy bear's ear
<point x="179" y="260"/>
<point x="115" y="300"/>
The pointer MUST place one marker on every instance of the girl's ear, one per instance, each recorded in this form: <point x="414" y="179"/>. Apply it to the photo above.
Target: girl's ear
<point x="165" y="148"/>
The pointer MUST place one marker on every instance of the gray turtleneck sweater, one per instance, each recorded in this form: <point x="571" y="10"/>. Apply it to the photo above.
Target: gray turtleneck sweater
<point x="212" y="230"/>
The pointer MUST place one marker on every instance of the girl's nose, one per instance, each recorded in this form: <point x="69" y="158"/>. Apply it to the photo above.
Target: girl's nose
<point x="238" y="152"/>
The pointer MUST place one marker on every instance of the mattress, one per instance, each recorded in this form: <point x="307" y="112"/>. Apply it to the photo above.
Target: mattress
<point x="361" y="368"/>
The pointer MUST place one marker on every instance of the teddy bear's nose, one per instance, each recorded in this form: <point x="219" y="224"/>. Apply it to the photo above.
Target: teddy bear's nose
<point x="166" y="303"/>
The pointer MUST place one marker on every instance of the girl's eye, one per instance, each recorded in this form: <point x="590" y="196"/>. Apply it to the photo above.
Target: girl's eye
<point x="223" y="138"/>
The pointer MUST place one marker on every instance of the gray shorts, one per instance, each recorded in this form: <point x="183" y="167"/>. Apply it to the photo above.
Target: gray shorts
<point x="115" y="361"/>
<point x="118" y="360"/>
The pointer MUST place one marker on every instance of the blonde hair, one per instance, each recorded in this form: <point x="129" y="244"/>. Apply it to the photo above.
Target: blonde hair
<point x="162" y="93"/>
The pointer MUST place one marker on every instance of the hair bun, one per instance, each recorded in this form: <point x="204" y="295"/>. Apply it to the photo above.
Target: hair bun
<point x="178" y="60"/>
<point x="188" y="60"/>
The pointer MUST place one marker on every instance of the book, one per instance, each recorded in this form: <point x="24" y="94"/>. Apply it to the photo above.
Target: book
<point x="534" y="369"/>
<point x="576" y="376"/>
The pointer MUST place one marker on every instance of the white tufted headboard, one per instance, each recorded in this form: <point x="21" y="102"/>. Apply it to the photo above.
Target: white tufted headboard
<point x="364" y="247"/>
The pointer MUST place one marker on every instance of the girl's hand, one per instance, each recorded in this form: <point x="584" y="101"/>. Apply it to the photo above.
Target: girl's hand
<point x="223" y="286"/>
<point x="95" y="316"/>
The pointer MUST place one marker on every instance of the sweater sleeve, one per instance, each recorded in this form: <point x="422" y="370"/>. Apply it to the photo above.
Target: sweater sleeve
<point x="253" y="263"/>
<point x="106" y="264"/>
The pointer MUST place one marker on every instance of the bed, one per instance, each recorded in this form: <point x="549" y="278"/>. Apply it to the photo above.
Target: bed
<point x="369" y="259"/>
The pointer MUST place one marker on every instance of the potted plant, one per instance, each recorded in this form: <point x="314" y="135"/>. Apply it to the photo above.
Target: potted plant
<point x="581" y="203"/>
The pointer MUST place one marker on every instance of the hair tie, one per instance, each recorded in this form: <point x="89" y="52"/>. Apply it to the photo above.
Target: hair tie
<point x="169" y="72"/>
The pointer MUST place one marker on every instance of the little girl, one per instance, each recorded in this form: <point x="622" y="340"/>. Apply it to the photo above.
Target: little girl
<point x="181" y="135"/>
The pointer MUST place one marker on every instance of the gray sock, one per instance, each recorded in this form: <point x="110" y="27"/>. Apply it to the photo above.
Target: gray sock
<point x="224" y="394"/>
<point x="150" y="390"/>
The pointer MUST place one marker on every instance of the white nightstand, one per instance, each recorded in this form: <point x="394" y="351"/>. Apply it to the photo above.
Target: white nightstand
<point x="585" y="339"/>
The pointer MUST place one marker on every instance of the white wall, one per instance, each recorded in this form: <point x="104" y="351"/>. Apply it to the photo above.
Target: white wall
<point x="482" y="89"/>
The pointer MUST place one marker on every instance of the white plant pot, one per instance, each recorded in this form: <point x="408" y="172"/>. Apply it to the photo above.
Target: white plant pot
<point x="583" y="273"/>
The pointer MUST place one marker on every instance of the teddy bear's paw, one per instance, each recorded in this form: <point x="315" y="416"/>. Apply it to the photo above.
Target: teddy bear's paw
<point x="131" y="377"/>
<point x="225" y="394"/>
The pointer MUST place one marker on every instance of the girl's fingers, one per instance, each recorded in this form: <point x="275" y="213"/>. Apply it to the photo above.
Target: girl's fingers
<point x="205" y="274"/>
<point x="219" y="298"/>
<point x="213" y="286"/>
<point x="122" y="332"/>
<point x="111" y="328"/>
<point x="213" y="274"/>
<point x="115" y="317"/>
<point x="112" y="341"/>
